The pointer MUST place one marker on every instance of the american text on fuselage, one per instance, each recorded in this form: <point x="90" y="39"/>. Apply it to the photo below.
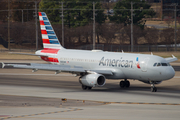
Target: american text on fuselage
<point x="116" y="62"/>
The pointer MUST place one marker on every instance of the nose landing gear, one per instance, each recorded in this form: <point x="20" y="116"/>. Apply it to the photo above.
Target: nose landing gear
<point x="153" y="88"/>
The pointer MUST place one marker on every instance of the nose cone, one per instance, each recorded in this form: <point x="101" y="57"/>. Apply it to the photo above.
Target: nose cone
<point x="170" y="72"/>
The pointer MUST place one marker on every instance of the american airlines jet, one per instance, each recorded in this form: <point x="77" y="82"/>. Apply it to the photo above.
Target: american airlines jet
<point x="95" y="66"/>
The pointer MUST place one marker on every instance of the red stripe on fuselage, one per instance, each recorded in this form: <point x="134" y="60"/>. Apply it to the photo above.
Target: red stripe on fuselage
<point x="50" y="50"/>
<point x="50" y="59"/>
<point x="43" y="32"/>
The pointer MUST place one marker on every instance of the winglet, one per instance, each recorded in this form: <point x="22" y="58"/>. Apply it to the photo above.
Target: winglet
<point x="151" y="53"/>
<point x="3" y="65"/>
<point x="171" y="59"/>
<point x="122" y="51"/>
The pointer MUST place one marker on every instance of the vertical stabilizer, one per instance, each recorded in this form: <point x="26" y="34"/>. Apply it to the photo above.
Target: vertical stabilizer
<point x="49" y="38"/>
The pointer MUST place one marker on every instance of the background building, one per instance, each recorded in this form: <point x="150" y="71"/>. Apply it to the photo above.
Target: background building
<point x="168" y="7"/>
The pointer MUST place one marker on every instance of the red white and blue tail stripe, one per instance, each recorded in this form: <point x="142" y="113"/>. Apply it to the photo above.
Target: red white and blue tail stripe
<point x="49" y="38"/>
<point x="51" y="43"/>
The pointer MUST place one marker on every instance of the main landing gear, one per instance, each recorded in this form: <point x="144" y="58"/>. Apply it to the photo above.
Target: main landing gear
<point x="124" y="83"/>
<point x="153" y="88"/>
<point x="86" y="87"/>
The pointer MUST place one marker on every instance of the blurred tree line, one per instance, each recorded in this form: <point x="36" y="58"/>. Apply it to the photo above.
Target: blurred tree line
<point x="78" y="20"/>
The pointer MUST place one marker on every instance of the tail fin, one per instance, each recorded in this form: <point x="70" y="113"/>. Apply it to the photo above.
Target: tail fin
<point x="49" y="38"/>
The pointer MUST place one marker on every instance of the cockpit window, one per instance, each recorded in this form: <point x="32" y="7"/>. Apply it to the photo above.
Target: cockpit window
<point x="155" y="64"/>
<point x="164" y="64"/>
<point x="159" y="64"/>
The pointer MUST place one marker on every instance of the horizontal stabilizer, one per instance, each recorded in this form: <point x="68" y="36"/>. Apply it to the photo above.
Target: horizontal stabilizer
<point x="28" y="54"/>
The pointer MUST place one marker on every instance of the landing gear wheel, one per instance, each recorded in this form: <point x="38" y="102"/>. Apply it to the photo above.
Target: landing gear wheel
<point x="122" y="84"/>
<point x="127" y="83"/>
<point x="89" y="88"/>
<point x="84" y="87"/>
<point x="153" y="89"/>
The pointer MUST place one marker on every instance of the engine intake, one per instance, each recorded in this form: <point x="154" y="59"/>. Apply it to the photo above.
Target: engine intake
<point x="93" y="80"/>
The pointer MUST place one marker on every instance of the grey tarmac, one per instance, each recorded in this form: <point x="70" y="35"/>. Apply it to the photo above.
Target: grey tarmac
<point x="45" y="96"/>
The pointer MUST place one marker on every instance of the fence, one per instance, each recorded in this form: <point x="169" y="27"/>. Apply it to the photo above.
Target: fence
<point x="113" y="48"/>
<point x="127" y="48"/>
<point x="3" y="42"/>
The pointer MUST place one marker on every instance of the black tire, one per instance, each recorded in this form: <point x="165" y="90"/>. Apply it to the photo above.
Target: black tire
<point x="127" y="83"/>
<point x="122" y="84"/>
<point x="84" y="87"/>
<point x="89" y="88"/>
<point x="153" y="89"/>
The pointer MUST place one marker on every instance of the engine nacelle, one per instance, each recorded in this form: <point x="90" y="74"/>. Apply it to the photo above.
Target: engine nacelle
<point x="92" y="80"/>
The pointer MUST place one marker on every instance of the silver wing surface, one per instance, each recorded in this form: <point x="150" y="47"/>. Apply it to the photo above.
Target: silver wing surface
<point x="63" y="68"/>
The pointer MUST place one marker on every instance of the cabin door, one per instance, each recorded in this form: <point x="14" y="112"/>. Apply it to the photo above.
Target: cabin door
<point x="144" y="64"/>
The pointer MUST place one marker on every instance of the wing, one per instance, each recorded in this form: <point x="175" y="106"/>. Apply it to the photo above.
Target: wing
<point x="171" y="59"/>
<point x="57" y="68"/>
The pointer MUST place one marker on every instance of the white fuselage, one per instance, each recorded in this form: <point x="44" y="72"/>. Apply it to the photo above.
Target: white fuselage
<point x="123" y="65"/>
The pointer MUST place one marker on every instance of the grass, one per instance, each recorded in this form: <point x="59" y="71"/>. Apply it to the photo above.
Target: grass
<point x="8" y="56"/>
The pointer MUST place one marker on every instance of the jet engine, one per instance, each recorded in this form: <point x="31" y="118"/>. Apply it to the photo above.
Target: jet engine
<point x="92" y="80"/>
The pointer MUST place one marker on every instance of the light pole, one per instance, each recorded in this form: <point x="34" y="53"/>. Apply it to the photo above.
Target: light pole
<point x="22" y="16"/>
<point x="132" y="27"/>
<point x="36" y="25"/>
<point x="175" y="28"/>
<point x="62" y="26"/>
<point x="9" y="24"/>
<point x="94" y="33"/>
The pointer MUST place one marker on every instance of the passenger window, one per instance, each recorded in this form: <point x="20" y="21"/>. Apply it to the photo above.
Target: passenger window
<point x="155" y="64"/>
<point x="159" y="64"/>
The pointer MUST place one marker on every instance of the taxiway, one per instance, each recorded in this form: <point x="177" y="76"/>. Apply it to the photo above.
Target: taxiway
<point x="45" y="96"/>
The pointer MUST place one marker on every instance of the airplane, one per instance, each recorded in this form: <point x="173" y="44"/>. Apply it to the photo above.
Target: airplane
<point x="95" y="66"/>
